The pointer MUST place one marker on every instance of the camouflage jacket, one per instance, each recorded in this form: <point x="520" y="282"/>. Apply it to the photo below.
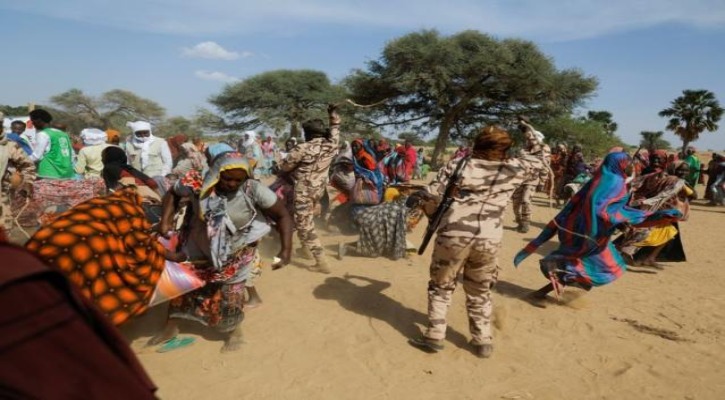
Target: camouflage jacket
<point x="14" y="160"/>
<point x="485" y="189"/>
<point x="308" y="163"/>
<point x="543" y="153"/>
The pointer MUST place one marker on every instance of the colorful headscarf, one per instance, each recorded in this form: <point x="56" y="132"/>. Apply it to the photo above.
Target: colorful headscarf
<point x="361" y="163"/>
<point x="585" y="254"/>
<point x="217" y="149"/>
<point x="364" y="157"/>
<point x="225" y="162"/>
<point x="383" y="147"/>
<point x="651" y="167"/>
<point x="113" y="136"/>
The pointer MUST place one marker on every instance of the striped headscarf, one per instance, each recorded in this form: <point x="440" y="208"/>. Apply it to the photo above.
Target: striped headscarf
<point x="585" y="254"/>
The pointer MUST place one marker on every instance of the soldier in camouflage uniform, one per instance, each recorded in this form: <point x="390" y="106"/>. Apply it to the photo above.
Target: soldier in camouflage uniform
<point x="17" y="173"/>
<point x="536" y="147"/>
<point x="308" y="165"/>
<point x="469" y="235"/>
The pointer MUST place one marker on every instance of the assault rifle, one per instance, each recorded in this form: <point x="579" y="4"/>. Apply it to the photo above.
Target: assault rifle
<point x="444" y="205"/>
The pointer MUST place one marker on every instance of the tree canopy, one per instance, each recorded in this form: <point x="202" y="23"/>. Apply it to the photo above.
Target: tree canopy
<point x="176" y="125"/>
<point x="653" y="141"/>
<point x="14" y="111"/>
<point x="110" y="110"/>
<point x="692" y="113"/>
<point x="458" y="83"/>
<point x="590" y="134"/>
<point x="277" y="99"/>
<point x="604" y="118"/>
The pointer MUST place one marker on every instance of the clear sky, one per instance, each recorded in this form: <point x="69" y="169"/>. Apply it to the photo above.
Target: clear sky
<point x="180" y="52"/>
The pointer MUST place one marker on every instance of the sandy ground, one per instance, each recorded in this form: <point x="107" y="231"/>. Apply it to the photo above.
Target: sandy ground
<point x="649" y="335"/>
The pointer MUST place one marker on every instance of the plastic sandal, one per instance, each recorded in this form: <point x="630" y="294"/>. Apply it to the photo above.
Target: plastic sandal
<point x="175" y="344"/>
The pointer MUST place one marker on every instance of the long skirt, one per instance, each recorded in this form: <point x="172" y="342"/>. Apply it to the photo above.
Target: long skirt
<point x="216" y="305"/>
<point x="220" y="303"/>
<point x="382" y="230"/>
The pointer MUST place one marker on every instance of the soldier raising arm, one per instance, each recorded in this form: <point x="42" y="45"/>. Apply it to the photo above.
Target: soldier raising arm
<point x="308" y="165"/>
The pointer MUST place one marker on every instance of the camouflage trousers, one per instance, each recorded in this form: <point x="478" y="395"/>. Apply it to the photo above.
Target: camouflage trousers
<point x="6" y="212"/>
<point x="522" y="202"/>
<point x="304" y="206"/>
<point x="475" y="259"/>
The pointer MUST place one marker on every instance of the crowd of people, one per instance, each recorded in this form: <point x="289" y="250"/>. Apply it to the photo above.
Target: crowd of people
<point x="111" y="242"/>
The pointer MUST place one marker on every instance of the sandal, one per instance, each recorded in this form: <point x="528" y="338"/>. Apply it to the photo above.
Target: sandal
<point x="175" y="344"/>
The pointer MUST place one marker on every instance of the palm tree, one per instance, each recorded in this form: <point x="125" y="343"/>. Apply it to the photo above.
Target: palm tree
<point x="653" y="141"/>
<point x="691" y="114"/>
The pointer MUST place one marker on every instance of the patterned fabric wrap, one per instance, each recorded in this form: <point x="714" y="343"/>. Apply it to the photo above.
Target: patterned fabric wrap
<point x="106" y="248"/>
<point x="382" y="229"/>
<point x="216" y="305"/>
<point x="585" y="254"/>
<point x="220" y="303"/>
<point x="51" y="195"/>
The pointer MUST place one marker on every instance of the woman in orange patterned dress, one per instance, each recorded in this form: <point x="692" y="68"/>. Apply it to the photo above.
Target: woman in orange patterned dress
<point x="106" y="248"/>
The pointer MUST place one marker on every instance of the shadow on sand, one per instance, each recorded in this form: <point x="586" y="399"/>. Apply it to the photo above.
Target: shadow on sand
<point x="364" y="296"/>
<point x="514" y="291"/>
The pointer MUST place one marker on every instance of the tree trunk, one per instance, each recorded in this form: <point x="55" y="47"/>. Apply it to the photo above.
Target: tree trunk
<point x="441" y="142"/>
<point x="685" y="145"/>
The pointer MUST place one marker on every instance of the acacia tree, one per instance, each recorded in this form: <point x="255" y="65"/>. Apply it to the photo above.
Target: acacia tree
<point x="176" y="125"/>
<point x="428" y="82"/>
<point x="652" y="141"/>
<point x="110" y="110"/>
<point x="604" y="118"/>
<point x="276" y="98"/>
<point x="691" y="114"/>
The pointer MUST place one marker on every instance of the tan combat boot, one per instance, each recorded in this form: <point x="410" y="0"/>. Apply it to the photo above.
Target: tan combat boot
<point x="304" y="253"/>
<point x="321" y="264"/>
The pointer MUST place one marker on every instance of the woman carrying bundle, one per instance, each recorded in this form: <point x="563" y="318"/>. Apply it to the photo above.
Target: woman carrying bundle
<point x="229" y="217"/>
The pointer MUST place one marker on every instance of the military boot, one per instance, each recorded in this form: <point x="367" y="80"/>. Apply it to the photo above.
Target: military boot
<point x="321" y="264"/>
<point x="483" y="350"/>
<point x="304" y="253"/>
<point x="523" y="227"/>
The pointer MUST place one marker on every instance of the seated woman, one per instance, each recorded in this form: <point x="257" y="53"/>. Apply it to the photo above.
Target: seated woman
<point x="106" y="248"/>
<point x="117" y="173"/>
<point x="382" y="228"/>
<point x="342" y="181"/>
<point x="382" y="225"/>
<point x="655" y="191"/>
<point x="229" y="217"/>
<point x="586" y="257"/>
